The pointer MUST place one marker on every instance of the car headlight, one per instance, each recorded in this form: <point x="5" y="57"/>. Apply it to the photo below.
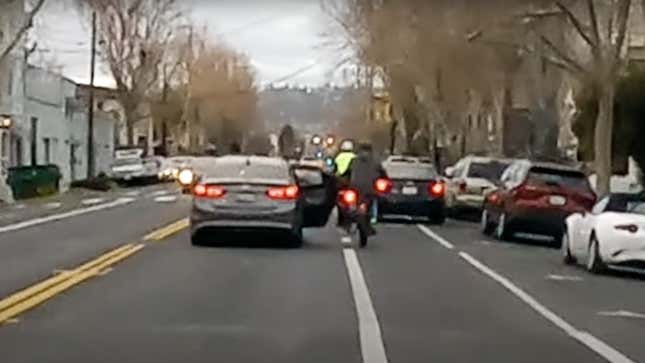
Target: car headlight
<point x="186" y="177"/>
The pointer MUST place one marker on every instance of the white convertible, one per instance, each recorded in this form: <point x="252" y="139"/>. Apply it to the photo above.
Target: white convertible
<point x="611" y="235"/>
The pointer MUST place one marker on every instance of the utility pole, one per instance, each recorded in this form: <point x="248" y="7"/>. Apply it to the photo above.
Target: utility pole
<point x="90" y="111"/>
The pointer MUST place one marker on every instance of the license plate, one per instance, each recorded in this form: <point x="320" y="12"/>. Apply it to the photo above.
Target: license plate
<point x="410" y="190"/>
<point x="557" y="200"/>
<point x="246" y="198"/>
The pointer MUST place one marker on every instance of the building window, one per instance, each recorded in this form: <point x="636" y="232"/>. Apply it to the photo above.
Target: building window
<point x="47" y="149"/>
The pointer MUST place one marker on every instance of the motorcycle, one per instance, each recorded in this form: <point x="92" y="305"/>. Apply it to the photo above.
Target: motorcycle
<point x="354" y="214"/>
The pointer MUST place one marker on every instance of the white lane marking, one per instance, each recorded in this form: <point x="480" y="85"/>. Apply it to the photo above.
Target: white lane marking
<point x="436" y="237"/>
<point x="92" y="201"/>
<point x="346" y="240"/>
<point x="601" y="348"/>
<point x="622" y="314"/>
<point x="555" y="277"/>
<point x="73" y="213"/>
<point x="134" y="193"/>
<point x="166" y="199"/>
<point x="372" y="348"/>
<point x="158" y="193"/>
<point x="19" y="206"/>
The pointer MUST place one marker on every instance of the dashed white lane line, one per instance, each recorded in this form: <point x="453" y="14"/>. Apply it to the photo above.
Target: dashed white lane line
<point x="601" y="348"/>
<point x="166" y="199"/>
<point x="73" y="213"/>
<point x="622" y="314"/>
<point x="92" y="201"/>
<point x="372" y="348"/>
<point x="158" y="193"/>
<point x="346" y="240"/>
<point x="436" y="237"/>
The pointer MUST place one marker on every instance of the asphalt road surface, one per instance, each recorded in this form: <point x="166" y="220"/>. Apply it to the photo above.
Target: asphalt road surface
<point x="415" y="294"/>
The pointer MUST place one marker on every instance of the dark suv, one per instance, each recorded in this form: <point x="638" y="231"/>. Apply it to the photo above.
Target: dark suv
<point x="536" y="197"/>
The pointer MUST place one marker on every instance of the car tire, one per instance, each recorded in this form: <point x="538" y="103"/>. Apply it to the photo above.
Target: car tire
<point x="594" y="261"/>
<point x="487" y="227"/>
<point x="502" y="230"/>
<point x="296" y="238"/>
<point x="567" y="258"/>
<point x="437" y="218"/>
<point x="196" y="240"/>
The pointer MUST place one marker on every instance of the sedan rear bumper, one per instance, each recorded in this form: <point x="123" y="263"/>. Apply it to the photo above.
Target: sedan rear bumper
<point x="418" y="208"/>
<point x="538" y="221"/>
<point x="287" y="218"/>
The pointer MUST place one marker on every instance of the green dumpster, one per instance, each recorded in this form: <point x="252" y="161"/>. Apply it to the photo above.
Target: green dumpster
<point x="34" y="181"/>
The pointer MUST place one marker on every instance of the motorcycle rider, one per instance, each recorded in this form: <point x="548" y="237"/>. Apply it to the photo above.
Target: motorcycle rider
<point x="363" y="172"/>
<point x="344" y="158"/>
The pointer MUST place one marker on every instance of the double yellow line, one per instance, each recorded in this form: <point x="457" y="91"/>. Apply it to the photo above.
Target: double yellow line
<point x="167" y="231"/>
<point x="35" y="295"/>
<point x="32" y="296"/>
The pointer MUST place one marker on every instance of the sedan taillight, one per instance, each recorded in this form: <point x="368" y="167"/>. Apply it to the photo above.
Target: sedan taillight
<point x="209" y="191"/>
<point x="290" y="192"/>
<point x="437" y="189"/>
<point x="383" y="185"/>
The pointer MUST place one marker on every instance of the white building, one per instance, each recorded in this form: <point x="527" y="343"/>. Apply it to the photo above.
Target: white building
<point x="58" y="124"/>
<point x="12" y="141"/>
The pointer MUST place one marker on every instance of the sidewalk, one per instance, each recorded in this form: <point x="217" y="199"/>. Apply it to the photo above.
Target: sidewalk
<point x="74" y="199"/>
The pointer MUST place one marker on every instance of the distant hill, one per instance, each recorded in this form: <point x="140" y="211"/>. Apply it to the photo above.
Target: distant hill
<point x="308" y="110"/>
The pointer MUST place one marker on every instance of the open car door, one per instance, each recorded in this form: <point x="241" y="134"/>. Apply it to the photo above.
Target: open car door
<point x="319" y="194"/>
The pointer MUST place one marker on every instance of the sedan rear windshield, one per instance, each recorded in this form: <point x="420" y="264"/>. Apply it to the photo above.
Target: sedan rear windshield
<point x="248" y="172"/>
<point x="416" y="171"/>
<point x="559" y="178"/>
<point x="127" y="161"/>
<point x="490" y="171"/>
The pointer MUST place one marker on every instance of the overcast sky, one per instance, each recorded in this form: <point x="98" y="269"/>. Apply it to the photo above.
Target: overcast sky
<point x="279" y="36"/>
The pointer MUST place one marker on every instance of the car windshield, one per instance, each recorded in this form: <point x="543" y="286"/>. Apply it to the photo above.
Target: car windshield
<point x="411" y="171"/>
<point x="492" y="170"/>
<point x="274" y="172"/>
<point x="559" y="178"/>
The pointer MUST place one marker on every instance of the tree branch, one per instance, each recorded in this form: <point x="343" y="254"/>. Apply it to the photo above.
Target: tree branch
<point x="26" y="25"/>
<point x="576" y="24"/>
<point x="593" y="17"/>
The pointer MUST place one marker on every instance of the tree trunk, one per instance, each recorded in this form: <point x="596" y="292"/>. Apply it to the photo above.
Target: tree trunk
<point x="603" y="137"/>
<point x="130" y="134"/>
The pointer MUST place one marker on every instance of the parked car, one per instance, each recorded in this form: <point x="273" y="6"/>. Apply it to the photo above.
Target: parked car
<point x="129" y="165"/>
<point x="470" y="180"/>
<point x="238" y="193"/>
<point x="536" y="197"/>
<point x="612" y="234"/>
<point x="411" y="188"/>
<point x="172" y="165"/>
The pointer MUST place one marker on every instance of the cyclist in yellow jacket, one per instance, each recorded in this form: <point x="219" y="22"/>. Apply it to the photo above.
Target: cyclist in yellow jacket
<point x="344" y="158"/>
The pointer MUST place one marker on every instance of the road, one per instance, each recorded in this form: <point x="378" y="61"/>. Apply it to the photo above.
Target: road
<point x="416" y="294"/>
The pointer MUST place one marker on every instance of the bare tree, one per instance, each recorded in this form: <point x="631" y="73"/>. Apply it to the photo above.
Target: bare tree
<point x="594" y="53"/>
<point x="22" y="30"/>
<point x="134" y="39"/>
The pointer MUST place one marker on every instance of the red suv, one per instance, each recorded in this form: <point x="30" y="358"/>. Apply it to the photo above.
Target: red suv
<point x="536" y="197"/>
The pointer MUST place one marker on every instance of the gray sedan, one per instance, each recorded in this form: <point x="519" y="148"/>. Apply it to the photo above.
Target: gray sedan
<point x="238" y="193"/>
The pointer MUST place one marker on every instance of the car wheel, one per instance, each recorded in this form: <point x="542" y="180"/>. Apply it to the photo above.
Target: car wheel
<point x="296" y="238"/>
<point x="438" y="218"/>
<point x="594" y="261"/>
<point x="487" y="226"/>
<point x="502" y="231"/>
<point x="567" y="258"/>
<point x="196" y="240"/>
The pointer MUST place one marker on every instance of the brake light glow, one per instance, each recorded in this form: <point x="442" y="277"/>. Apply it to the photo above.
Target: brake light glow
<point x="631" y="228"/>
<point x="383" y="185"/>
<point x="290" y="192"/>
<point x="437" y="189"/>
<point x="349" y="196"/>
<point x="209" y="191"/>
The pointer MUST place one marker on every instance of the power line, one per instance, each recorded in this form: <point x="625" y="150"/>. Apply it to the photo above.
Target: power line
<point x="296" y="73"/>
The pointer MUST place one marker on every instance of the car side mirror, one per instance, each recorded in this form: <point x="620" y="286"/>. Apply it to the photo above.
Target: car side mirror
<point x="449" y="172"/>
